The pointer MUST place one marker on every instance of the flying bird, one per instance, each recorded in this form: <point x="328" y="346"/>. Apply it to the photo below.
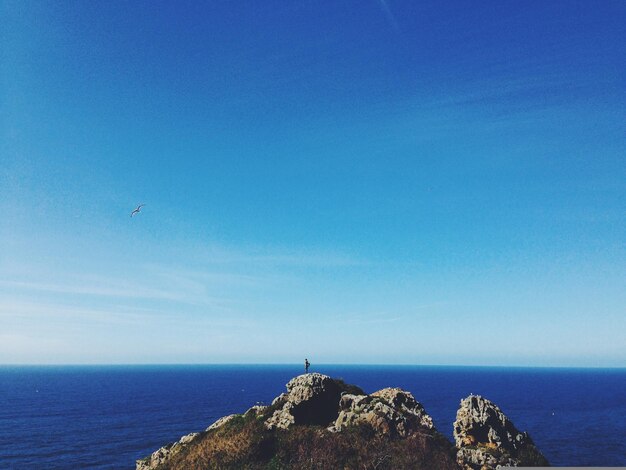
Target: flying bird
<point x="137" y="210"/>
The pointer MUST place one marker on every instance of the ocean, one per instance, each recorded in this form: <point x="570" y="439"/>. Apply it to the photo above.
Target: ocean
<point x="106" y="417"/>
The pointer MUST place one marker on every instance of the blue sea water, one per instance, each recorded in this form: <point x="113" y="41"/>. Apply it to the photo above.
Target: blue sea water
<point x="108" y="416"/>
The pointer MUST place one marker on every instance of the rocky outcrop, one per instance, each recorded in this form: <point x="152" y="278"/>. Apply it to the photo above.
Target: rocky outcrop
<point x="336" y="425"/>
<point x="162" y="455"/>
<point x="256" y="410"/>
<point x="486" y="438"/>
<point x="222" y="421"/>
<point x="483" y="458"/>
<point x="310" y="399"/>
<point x="391" y="411"/>
<point x="405" y="403"/>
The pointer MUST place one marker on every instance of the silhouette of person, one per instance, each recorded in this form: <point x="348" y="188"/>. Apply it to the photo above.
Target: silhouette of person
<point x="306" y="366"/>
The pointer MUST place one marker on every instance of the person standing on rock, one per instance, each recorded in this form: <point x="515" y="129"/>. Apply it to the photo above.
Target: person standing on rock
<point x="306" y="366"/>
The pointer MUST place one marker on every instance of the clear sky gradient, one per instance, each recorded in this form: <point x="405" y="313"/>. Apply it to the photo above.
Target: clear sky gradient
<point x="377" y="181"/>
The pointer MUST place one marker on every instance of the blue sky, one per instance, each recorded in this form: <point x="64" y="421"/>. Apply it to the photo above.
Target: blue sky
<point x="352" y="182"/>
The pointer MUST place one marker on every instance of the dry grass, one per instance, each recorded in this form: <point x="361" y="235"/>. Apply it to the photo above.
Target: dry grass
<point x="244" y="443"/>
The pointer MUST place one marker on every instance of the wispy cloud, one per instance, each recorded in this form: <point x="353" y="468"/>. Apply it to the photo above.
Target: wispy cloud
<point x="131" y="292"/>
<point x="254" y="257"/>
<point x="13" y="309"/>
<point x="386" y="317"/>
<point x="199" y="279"/>
<point x="233" y="283"/>
<point x="158" y="282"/>
<point x="22" y="345"/>
<point x="308" y="260"/>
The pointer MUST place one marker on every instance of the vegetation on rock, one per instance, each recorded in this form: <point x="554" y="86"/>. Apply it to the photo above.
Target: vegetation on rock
<point x="324" y="423"/>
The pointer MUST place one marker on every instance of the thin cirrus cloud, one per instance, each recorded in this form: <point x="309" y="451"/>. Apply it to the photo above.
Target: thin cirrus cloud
<point x="387" y="317"/>
<point x="112" y="314"/>
<point x="186" y="285"/>
<point x="104" y="291"/>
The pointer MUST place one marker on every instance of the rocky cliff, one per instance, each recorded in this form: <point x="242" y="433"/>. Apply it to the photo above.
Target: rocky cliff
<point x="323" y="423"/>
<point x="486" y="438"/>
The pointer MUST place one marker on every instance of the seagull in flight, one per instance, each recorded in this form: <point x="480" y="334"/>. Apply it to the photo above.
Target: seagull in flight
<point x="137" y="210"/>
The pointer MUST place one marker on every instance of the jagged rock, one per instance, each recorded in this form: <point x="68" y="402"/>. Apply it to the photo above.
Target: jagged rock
<point x="186" y="439"/>
<point x="222" y="421"/>
<point x="310" y="399"/>
<point x="403" y="434"/>
<point x="478" y="420"/>
<point x="390" y="411"/>
<point x="280" y="400"/>
<point x="163" y="454"/>
<point x="256" y="410"/>
<point x="486" y="438"/>
<point x="406" y="403"/>
<point x="481" y="458"/>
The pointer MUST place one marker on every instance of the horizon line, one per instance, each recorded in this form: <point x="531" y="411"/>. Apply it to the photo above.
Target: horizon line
<point x="188" y="364"/>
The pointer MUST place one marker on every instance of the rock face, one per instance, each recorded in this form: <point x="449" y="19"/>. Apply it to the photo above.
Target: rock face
<point x="486" y="438"/>
<point x="310" y="399"/>
<point x="390" y="411"/>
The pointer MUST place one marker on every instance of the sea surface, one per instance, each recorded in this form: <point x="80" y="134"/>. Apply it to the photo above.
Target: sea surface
<point x="72" y="417"/>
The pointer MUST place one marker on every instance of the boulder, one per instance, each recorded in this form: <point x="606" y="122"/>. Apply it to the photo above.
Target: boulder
<point x="486" y="438"/>
<point x="310" y="399"/>
<point x="391" y="412"/>
<point x="404" y="402"/>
